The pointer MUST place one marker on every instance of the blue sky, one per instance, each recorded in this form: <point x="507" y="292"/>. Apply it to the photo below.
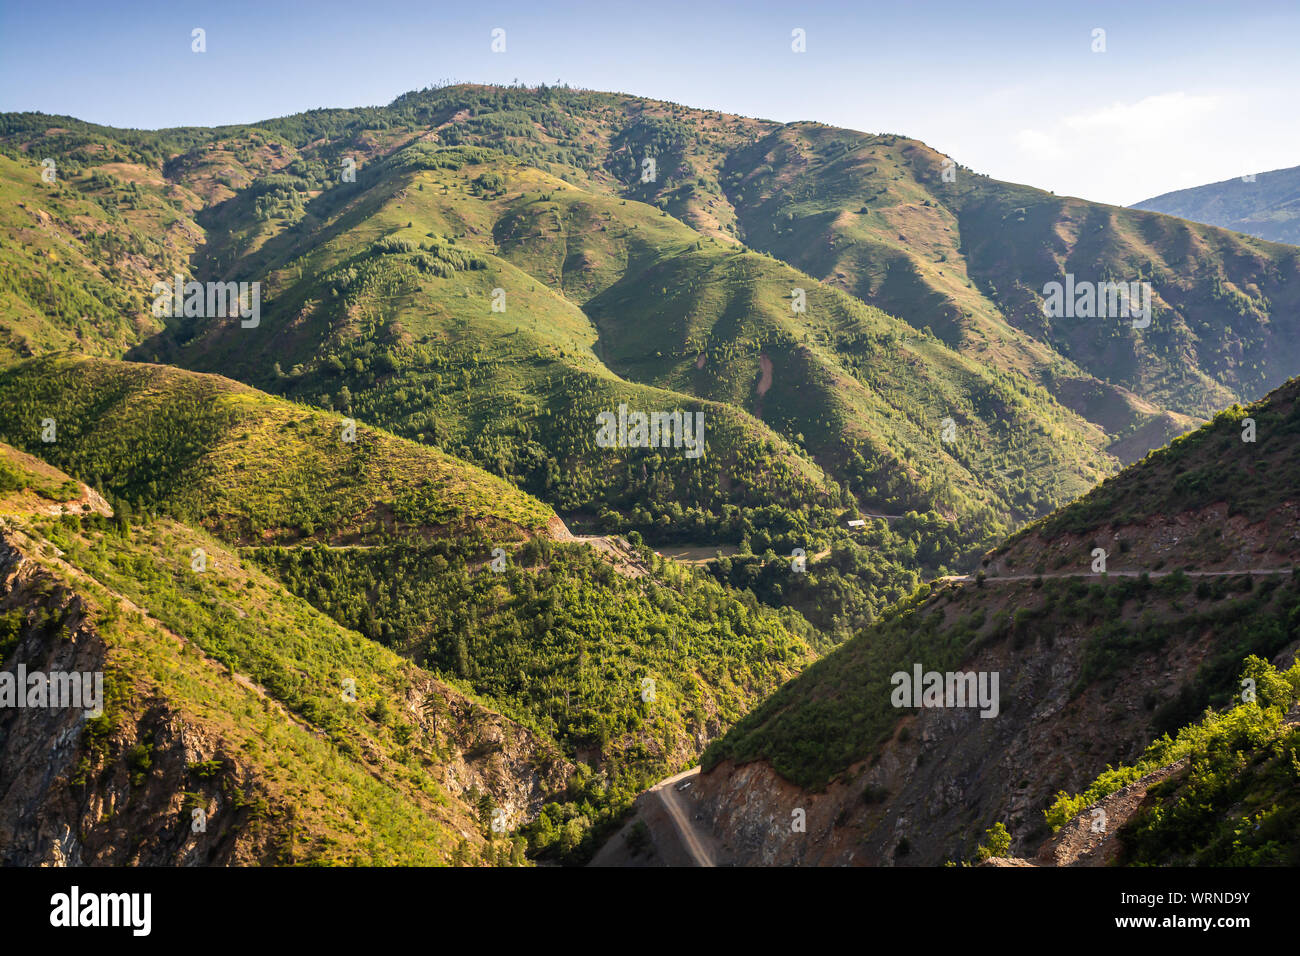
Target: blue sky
<point x="1184" y="93"/>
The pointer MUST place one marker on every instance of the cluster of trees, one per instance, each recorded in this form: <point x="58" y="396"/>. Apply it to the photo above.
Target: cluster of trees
<point x="1236" y="803"/>
<point x="624" y="675"/>
<point x="139" y="456"/>
<point x="438" y="393"/>
<point x="278" y="195"/>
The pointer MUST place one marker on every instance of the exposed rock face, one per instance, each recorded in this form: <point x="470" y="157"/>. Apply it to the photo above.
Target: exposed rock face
<point x="492" y="754"/>
<point x="78" y="791"/>
<point x="928" y="794"/>
<point x="71" y="790"/>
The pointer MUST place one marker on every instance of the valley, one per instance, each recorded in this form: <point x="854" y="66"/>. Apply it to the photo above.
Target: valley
<point x="440" y="484"/>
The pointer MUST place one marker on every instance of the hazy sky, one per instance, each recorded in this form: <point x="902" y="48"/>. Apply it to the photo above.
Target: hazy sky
<point x="1185" y="93"/>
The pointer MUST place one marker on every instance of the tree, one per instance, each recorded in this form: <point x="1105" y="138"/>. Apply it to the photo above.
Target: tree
<point x="999" y="842"/>
<point x="460" y="856"/>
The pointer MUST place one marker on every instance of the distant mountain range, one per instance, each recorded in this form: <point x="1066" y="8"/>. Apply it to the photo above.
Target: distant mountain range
<point x="1266" y="205"/>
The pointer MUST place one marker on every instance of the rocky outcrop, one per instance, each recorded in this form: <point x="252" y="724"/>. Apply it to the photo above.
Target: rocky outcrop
<point x="491" y="754"/>
<point x="1090" y="838"/>
<point x="926" y="795"/>
<point x="118" y="789"/>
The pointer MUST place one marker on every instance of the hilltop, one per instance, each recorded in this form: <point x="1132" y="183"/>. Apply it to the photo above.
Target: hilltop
<point x="381" y="286"/>
<point x="245" y="465"/>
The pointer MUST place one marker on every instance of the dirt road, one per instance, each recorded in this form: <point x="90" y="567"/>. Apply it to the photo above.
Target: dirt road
<point x="679" y="811"/>
<point x="994" y="578"/>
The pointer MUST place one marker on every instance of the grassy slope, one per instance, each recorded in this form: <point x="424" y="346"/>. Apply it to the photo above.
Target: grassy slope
<point x="703" y="317"/>
<point x="69" y="277"/>
<point x="868" y="214"/>
<point x="245" y="465"/>
<point x="354" y="794"/>
<point x="657" y="298"/>
<point x="873" y="215"/>
<point x="333" y="781"/>
<point x="26" y="481"/>
<point x="1212" y="464"/>
<point x="408" y="339"/>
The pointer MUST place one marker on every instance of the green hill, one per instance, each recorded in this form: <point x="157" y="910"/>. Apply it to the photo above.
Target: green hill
<point x="626" y="671"/>
<point x="915" y="373"/>
<point x="245" y="466"/>
<point x="300" y="742"/>
<point x="907" y="229"/>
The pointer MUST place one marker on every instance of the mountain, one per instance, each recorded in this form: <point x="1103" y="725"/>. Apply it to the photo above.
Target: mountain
<point x="396" y="403"/>
<point x="377" y="302"/>
<point x="1266" y="205"/>
<point x="1201" y="542"/>
<point x="618" y="664"/>
<point x="859" y="320"/>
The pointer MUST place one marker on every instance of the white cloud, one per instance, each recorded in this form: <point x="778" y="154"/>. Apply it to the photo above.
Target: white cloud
<point x="1124" y="152"/>
<point x="1149" y="118"/>
<point x="1039" y="145"/>
<point x="1113" y="149"/>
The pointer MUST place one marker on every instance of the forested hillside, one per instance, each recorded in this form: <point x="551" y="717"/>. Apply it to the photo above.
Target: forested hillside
<point x="379" y="418"/>
<point x="625" y="675"/>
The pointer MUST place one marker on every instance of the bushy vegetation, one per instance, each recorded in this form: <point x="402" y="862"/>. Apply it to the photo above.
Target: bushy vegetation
<point x="200" y="448"/>
<point x="839" y="710"/>
<point x="1210" y="465"/>
<point x="563" y="643"/>
<point x="1236" y="802"/>
<point x="313" y="752"/>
